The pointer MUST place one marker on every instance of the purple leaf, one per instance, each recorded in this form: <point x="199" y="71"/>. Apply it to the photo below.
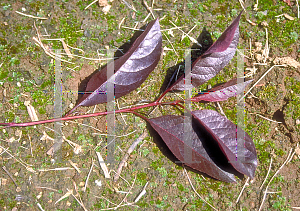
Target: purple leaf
<point x="204" y="157"/>
<point x="131" y="70"/>
<point x="243" y="159"/>
<point x="224" y="91"/>
<point x="214" y="59"/>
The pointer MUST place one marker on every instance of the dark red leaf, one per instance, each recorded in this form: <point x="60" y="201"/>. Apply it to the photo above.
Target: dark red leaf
<point x="205" y="157"/>
<point x="131" y="70"/>
<point x="214" y="59"/>
<point x="243" y="159"/>
<point x="223" y="92"/>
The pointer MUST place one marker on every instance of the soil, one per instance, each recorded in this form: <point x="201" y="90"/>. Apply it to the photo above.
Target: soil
<point x="36" y="179"/>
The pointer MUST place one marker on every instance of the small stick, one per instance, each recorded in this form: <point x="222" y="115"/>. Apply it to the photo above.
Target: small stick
<point x="128" y="5"/>
<point x="46" y="188"/>
<point x="90" y="4"/>
<point x="221" y="110"/>
<point x="297" y="3"/>
<point x="171" y="44"/>
<point x="148" y="8"/>
<point x="75" y="167"/>
<point x="122" y="21"/>
<point x="267" y="174"/>
<point x="261" y="78"/>
<point x="103" y="165"/>
<point x="39" y="206"/>
<point x="143" y="192"/>
<point x="246" y="184"/>
<point x="242" y="4"/>
<point x="30" y="145"/>
<point x="82" y="205"/>
<point x="125" y="27"/>
<point x="267" y="118"/>
<point x="196" y="191"/>
<point x="129" y="151"/>
<point x="31" y="16"/>
<point x="7" y="172"/>
<point x="88" y="176"/>
<point x="75" y="187"/>
<point x="127" y="192"/>
<point x="191" y="38"/>
<point x="266" y="191"/>
<point x="57" y="169"/>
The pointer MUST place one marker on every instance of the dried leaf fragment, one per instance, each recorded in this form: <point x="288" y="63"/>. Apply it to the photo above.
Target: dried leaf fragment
<point x="31" y="111"/>
<point x="102" y="3"/>
<point x="287" y="61"/>
<point x="288" y="17"/>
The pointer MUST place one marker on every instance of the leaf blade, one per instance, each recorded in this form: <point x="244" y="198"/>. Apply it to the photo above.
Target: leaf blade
<point x="224" y="91"/>
<point x="214" y="59"/>
<point x="131" y="70"/>
<point x="224" y="132"/>
<point x="171" y="130"/>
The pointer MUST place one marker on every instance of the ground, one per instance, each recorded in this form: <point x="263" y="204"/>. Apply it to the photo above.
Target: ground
<point x="27" y="73"/>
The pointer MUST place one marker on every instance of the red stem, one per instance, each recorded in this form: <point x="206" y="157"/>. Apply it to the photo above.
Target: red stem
<point x="126" y="110"/>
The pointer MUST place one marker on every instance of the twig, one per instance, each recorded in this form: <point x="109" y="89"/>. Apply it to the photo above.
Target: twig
<point x="129" y="151"/>
<point x="261" y="78"/>
<point x="297" y="3"/>
<point x="57" y="169"/>
<point x="171" y="44"/>
<point x="221" y="110"/>
<point x="74" y="166"/>
<point x="246" y="184"/>
<point x="91" y="4"/>
<point x="7" y="172"/>
<point x="125" y="27"/>
<point x="127" y="192"/>
<point x="266" y="49"/>
<point x="31" y="16"/>
<point x="88" y="176"/>
<point x="81" y="203"/>
<point x="39" y="206"/>
<point x="266" y="191"/>
<point x="143" y="192"/>
<point x="196" y="191"/>
<point x="242" y="4"/>
<point x="46" y="188"/>
<point x="148" y="8"/>
<point x="271" y="160"/>
<point x="128" y="5"/>
<point x="267" y="118"/>
<point x="27" y="166"/>
<point x="191" y="38"/>
<point x="103" y="165"/>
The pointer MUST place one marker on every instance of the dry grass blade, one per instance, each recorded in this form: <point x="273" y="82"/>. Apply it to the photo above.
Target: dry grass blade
<point x="129" y="151"/>
<point x="266" y="191"/>
<point x="10" y="176"/>
<point x="196" y="191"/>
<point x="88" y="176"/>
<point x="30" y="16"/>
<point x="103" y="165"/>
<point x="261" y="79"/>
<point x="267" y="173"/>
<point x="143" y="192"/>
<point x="64" y="196"/>
<point x="246" y="184"/>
